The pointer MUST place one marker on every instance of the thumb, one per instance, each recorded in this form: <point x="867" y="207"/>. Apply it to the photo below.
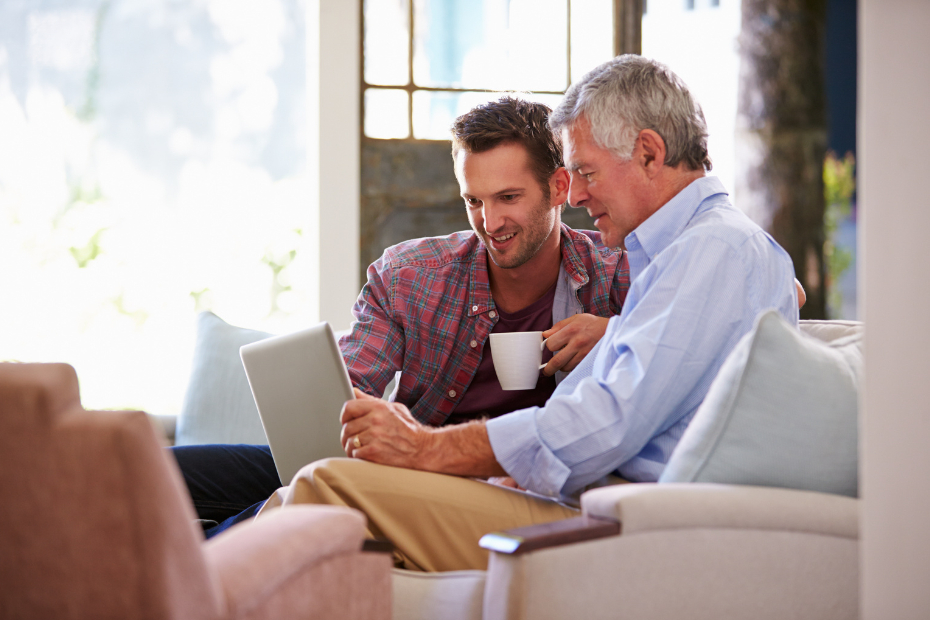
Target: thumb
<point x="360" y="395"/>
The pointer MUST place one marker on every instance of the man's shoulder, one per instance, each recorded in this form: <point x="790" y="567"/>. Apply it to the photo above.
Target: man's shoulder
<point x="432" y="251"/>
<point x="589" y="245"/>
<point x="723" y="221"/>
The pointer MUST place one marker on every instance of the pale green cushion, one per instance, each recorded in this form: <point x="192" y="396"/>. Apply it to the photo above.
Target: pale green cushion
<point x="218" y="406"/>
<point x="782" y="412"/>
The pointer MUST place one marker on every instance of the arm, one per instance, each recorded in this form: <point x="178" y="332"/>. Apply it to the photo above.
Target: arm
<point x="650" y="374"/>
<point x="374" y="348"/>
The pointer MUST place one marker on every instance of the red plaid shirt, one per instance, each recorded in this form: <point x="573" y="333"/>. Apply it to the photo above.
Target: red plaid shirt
<point x="427" y="310"/>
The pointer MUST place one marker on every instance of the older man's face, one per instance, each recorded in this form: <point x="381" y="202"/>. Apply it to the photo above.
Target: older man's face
<point x="613" y="191"/>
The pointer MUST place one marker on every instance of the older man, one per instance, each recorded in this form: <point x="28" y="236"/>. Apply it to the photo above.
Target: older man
<point x="635" y="145"/>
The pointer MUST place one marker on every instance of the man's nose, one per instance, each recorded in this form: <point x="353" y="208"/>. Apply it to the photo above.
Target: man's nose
<point x="577" y="192"/>
<point x="493" y="218"/>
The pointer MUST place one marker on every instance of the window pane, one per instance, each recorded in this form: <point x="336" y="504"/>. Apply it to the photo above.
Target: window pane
<point x="387" y="42"/>
<point x="152" y="165"/>
<point x="434" y="112"/>
<point x="592" y="35"/>
<point x="490" y="44"/>
<point x="386" y="113"/>
<point x="701" y="46"/>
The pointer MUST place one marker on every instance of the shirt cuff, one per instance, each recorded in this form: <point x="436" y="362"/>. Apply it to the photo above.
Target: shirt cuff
<point x="520" y="451"/>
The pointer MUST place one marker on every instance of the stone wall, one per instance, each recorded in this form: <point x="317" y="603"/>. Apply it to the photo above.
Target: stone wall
<point x="409" y="191"/>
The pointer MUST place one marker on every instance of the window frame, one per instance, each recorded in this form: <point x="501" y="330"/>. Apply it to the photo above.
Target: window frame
<point x="627" y="20"/>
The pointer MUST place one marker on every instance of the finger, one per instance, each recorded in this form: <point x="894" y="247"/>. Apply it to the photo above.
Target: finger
<point x="360" y="395"/>
<point x="354" y="427"/>
<point x="357" y="408"/>
<point x="558" y="326"/>
<point x="571" y="364"/>
<point x="565" y="336"/>
<point x="558" y="362"/>
<point x="351" y="446"/>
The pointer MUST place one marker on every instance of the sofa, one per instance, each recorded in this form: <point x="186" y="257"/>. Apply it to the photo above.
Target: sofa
<point x="756" y="515"/>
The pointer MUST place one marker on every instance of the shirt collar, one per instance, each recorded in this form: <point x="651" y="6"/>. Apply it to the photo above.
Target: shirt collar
<point x="571" y="261"/>
<point x="667" y="224"/>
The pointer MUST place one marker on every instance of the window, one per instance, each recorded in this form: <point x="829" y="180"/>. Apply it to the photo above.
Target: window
<point x="152" y="165"/>
<point x="698" y="41"/>
<point x="428" y="61"/>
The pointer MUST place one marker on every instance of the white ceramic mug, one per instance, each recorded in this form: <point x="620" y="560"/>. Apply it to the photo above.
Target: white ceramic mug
<point x="517" y="359"/>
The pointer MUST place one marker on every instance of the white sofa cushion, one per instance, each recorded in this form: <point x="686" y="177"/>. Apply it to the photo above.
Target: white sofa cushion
<point x="218" y="406"/>
<point x="782" y="412"/>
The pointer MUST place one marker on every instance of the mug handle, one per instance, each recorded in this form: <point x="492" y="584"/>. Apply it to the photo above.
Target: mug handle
<point x="542" y="345"/>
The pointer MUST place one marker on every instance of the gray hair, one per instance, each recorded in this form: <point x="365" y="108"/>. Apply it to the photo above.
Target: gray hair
<point x="630" y="93"/>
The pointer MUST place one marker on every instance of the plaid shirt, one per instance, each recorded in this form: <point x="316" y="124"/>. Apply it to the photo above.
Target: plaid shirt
<point x="427" y="310"/>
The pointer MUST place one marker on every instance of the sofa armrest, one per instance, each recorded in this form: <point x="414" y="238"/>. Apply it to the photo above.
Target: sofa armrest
<point x="545" y="535"/>
<point x="253" y="559"/>
<point x="670" y="506"/>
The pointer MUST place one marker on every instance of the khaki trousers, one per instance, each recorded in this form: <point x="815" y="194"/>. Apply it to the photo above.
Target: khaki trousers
<point x="433" y="520"/>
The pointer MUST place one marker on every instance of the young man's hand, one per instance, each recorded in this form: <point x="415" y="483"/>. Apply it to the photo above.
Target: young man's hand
<point x="572" y="339"/>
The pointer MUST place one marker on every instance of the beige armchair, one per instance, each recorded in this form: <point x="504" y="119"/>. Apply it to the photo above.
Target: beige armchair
<point x="696" y="551"/>
<point x="96" y="524"/>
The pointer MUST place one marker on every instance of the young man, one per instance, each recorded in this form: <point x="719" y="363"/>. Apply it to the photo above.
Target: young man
<point x="636" y="146"/>
<point x="430" y="304"/>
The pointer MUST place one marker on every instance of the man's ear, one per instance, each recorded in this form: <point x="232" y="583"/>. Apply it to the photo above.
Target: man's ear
<point x="558" y="187"/>
<point x="652" y="151"/>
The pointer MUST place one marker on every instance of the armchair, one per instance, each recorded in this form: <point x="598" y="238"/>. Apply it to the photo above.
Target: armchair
<point x="690" y="551"/>
<point x="95" y="524"/>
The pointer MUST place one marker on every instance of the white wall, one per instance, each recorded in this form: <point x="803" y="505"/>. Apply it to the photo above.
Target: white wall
<point x="894" y="135"/>
<point x="333" y="43"/>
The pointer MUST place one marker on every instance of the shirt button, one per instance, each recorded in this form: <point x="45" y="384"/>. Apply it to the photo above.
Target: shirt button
<point x="452" y="393"/>
<point x="473" y="344"/>
<point x="474" y="308"/>
<point x="492" y="314"/>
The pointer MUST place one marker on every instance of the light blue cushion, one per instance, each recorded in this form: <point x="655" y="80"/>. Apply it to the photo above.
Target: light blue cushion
<point x="218" y="406"/>
<point x="782" y="412"/>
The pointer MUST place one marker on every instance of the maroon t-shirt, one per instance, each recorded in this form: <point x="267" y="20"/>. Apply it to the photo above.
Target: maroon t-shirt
<point x="484" y="398"/>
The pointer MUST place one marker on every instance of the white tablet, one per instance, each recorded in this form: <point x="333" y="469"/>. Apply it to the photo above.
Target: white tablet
<point x="299" y="382"/>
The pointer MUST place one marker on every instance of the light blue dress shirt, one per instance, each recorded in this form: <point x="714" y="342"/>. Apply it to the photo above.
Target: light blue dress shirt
<point x="701" y="271"/>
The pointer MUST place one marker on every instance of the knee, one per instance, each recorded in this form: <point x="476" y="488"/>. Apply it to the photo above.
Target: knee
<point x="327" y="481"/>
<point x="324" y="470"/>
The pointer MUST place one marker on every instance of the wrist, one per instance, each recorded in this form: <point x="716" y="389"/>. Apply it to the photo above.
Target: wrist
<point x="429" y="454"/>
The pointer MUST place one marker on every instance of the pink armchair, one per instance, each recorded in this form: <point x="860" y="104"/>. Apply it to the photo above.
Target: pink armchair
<point x="95" y="523"/>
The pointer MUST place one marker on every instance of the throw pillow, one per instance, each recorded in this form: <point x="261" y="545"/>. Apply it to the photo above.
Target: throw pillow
<point x="781" y="412"/>
<point x="218" y="406"/>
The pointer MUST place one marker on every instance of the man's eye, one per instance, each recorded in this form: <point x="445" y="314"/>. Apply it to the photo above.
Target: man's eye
<point x="509" y="197"/>
<point x="472" y="202"/>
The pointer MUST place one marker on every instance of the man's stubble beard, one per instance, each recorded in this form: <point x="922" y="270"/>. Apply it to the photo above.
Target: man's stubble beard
<point x="534" y="236"/>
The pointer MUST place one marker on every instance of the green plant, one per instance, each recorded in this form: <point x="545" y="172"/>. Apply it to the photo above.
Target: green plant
<point x="839" y="185"/>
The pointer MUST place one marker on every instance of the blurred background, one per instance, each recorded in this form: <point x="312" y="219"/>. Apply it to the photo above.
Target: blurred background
<point x="154" y="154"/>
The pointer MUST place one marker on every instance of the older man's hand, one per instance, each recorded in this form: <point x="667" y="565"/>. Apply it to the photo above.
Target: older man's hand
<point x="572" y="339"/>
<point x="382" y="432"/>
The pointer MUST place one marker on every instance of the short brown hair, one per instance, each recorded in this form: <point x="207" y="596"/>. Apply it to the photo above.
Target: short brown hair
<point x="510" y="120"/>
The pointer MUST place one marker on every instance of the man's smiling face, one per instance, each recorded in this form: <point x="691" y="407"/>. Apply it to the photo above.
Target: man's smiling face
<point x="507" y="207"/>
